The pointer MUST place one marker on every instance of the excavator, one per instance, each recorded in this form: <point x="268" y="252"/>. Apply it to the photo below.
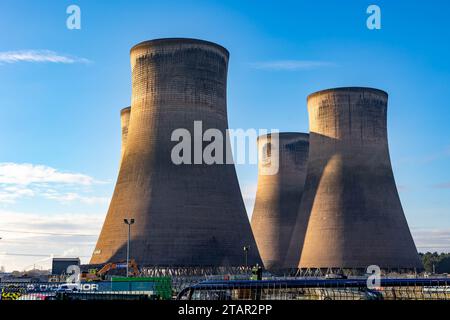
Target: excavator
<point x="99" y="275"/>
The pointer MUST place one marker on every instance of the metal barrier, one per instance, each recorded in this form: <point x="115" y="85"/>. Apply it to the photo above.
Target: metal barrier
<point x="116" y="289"/>
<point x="319" y="289"/>
<point x="196" y="288"/>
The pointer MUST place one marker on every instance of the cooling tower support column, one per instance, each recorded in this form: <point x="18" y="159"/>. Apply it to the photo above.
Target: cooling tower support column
<point x="185" y="214"/>
<point x="278" y="195"/>
<point x="351" y="206"/>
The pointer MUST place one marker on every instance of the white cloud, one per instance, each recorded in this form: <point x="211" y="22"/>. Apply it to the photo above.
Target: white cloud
<point x="64" y="234"/>
<point x="25" y="180"/>
<point x="26" y="173"/>
<point x="38" y="56"/>
<point x="431" y="239"/>
<point x="71" y="223"/>
<point x="291" y="65"/>
<point x="72" y="196"/>
<point x="10" y="194"/>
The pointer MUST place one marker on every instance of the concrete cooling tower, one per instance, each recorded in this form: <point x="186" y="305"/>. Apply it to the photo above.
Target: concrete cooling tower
<point x="124" y="122"/>
<point x="278" y="196"/>
<point x="185" y="214"/>
<point x="351" y="215"/>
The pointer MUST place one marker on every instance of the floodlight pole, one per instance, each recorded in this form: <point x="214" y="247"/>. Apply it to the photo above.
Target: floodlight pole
<point x="246" y="248"/>
<point x="128" y="222"/>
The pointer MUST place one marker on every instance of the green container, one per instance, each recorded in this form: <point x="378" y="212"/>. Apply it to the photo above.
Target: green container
<point x="161" y="286"/>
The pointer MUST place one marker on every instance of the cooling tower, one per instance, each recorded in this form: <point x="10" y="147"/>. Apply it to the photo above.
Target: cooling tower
<point x="124" y="121"/>
<point x="185" y="214"/>
<point x="278" y="196"/>
<point x="351" y="208"/>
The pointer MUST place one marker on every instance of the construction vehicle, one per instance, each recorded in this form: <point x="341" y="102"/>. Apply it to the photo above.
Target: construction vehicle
<point x="99" y="275"/>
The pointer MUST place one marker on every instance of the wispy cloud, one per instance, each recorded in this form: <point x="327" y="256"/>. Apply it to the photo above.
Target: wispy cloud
<point x="20" y="225"/>
<point x="25" y="180"/>
<point x="26" y="236"/>
<point x="429" y="158"/>
<point x="27" y="173"/>
<point x="445" y="185"/>
<point x="39" y="56"/>
<point x="72" y="196"/>
<point x="9" y="194"/>
<point x="291" y="65"/>
<point x="431" y="239"/>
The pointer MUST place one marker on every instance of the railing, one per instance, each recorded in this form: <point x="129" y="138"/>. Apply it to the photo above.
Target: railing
<point x="319" y="289"/>
<point x="196" y="288"/>
<point x="117" y="289"/>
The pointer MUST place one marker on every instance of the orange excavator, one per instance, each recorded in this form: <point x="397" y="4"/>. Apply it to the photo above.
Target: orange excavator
<point x="98" y="275"/>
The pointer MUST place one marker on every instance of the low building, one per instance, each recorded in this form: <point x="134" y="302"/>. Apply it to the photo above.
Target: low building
<point x="60" y="265"/>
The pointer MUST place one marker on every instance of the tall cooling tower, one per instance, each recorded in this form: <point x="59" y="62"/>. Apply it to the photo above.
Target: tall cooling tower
<point x="186" y="214"/>
<point x="124" y="122"/>
<point x="278" y="196"/>
<point x="351" y="211"/>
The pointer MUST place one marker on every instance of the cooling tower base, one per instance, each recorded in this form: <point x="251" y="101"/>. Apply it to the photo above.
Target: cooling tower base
<point x="346" y="272"/>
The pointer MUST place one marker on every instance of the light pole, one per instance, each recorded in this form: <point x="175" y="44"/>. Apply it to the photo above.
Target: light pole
<point x="246" y="248"/>
<point x="128" y="222"/>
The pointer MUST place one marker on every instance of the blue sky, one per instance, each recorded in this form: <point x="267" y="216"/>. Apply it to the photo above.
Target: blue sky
<point x="60" y="141"/>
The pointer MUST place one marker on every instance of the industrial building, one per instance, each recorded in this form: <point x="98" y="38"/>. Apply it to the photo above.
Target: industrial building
<point x="350" y="215"/>
<point x="60" y="265"/>
<point x="185" y="214"/>
<point x="278" y="195"/>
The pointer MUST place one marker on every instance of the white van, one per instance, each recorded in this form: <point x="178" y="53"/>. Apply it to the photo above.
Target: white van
<point x="68" y="287"/>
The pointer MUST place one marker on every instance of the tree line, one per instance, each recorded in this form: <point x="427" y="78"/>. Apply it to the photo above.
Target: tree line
<point x="435" y="262"/>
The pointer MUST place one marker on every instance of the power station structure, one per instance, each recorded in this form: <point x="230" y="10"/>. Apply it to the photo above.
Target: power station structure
<point x="124" y="122"/>
<point x="350" y="215"/>
<point x="186" y="214"/>
<point x="332" y="202"/>
<point x="278" y="195"/>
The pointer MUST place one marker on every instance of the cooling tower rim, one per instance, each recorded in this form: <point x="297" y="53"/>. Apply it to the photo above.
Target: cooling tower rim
<point x="287" y="135"/>
<point x="125" y="110"/>
<point x="353" y="89"/>
<point x="160" y="41"/>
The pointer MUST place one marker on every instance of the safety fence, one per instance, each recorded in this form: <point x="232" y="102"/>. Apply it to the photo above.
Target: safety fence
<point x="116" y="289"/>
<point x="196" y="288"/>
<point x="319" y="289"/>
